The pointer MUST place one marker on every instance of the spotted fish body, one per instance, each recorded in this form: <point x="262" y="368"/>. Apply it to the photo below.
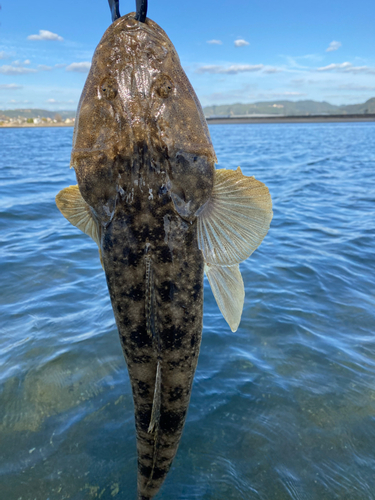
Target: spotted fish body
<point x="150" y="197"/>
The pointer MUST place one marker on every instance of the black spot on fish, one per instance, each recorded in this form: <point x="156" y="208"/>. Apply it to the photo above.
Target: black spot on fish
<point x="130" y="256"/>
<point x="143" y="418"/>
<point x="144" y="233"/>
<point x="172" y="337"/>
<point x="176" y="364"/>
<point x="196" y="291"/>
<point x="125" y="321"/>
<point x="143" y="389"/>
<point x="171" y="421"/>
<point x="165" y="254"/>
<point x="137" y="205"/>
<point x="168" y="319"/>
<point x="139" y="360"/>
<point x="157" y="472"/>
<point x="175" y="394"/>
<point x="136" y="292"/>
<point x="139" y="336"/>
<point x="166" y="291"/>
<point x="193" y="340"/>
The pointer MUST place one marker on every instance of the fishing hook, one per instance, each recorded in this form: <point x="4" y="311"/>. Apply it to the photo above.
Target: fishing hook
<point x="141" y="9"/>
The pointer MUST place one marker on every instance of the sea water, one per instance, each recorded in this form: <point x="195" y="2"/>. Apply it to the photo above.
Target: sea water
<point x="282" y="409"/>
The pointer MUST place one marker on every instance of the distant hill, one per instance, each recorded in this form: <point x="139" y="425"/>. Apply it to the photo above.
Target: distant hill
<point x="35" y="113"/>
<point x="289" y="108"/>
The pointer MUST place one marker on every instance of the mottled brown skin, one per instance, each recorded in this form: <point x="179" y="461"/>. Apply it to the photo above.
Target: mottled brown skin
<point x="145" y="164"/>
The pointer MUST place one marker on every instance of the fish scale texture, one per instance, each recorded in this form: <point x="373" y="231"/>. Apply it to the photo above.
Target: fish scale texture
<point x="177" y="266"/>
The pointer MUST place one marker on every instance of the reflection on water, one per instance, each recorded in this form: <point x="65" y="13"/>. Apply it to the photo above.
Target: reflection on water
<point x="282" y="409"/>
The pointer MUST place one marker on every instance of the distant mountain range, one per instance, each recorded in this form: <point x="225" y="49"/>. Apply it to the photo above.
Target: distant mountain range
<point x="289" y="108"/>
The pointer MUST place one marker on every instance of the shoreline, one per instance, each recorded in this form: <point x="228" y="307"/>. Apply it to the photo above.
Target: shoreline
<point x="292" y="119"/>
<point x="237" y="120"/>
<point x="35" y="125"/>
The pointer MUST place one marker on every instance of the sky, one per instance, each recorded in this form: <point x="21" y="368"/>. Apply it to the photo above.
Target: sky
<point x="232" y="50"/>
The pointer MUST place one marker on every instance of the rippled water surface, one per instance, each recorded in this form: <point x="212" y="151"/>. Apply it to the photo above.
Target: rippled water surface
<point x="282" y="409"/>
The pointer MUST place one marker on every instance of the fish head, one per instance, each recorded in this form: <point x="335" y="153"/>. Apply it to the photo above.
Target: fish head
<point x="139" y="111"/>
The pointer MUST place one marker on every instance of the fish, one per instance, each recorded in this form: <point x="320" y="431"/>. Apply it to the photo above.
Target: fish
<point x="162" y="215"/>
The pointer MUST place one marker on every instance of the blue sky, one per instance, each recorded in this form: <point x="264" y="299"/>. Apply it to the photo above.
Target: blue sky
<point x="231" y="50"/>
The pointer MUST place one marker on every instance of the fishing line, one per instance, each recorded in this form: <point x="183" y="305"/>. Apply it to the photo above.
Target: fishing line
<point x="140" y="9"/>
<point x="114" y="6"/>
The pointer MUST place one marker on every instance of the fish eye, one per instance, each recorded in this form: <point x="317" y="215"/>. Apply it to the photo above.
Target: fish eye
<point x="108" y="89"/>
<point x="163" y="86"/>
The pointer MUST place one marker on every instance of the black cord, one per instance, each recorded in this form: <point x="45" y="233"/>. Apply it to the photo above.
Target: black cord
<point x="141" y="10"/>
<point x="114" y="6"/>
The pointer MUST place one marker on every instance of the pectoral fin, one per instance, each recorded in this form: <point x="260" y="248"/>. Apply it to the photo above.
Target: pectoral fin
<point x="74" y="208"/>
<point x="231" y="225"/>
<point x="236" y="218"/>
<point x="228" y="289"/>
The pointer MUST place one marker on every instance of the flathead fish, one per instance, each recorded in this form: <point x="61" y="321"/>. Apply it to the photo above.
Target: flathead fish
<point x="148" y="194"/>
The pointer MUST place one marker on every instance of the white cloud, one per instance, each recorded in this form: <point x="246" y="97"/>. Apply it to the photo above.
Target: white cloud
<point x="13" y="101"/>
<point x="298" y="81"/>
<point x="21" y="63"/>
<point x="347" y="67"/>
<point x="333" y="46"/>
<point x="215" y="42"/>
<point x="271" y="69"/>
<point x="4" y="55"/>
<point x="45" y="35"/>
<point x="15" y="70"/>
<point x="60" y="65"/>
<point x="293" y="94"/>
<point x="55" y="101"/>
<point x="341" y="66"/>
<point x="229" y="70"/>
<point x="10" y="86"/>
<point x="351" y="86"/>
<point x="241" y="43"/>
<point x="81" y="67"/>
<point x="43" y="67"/>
